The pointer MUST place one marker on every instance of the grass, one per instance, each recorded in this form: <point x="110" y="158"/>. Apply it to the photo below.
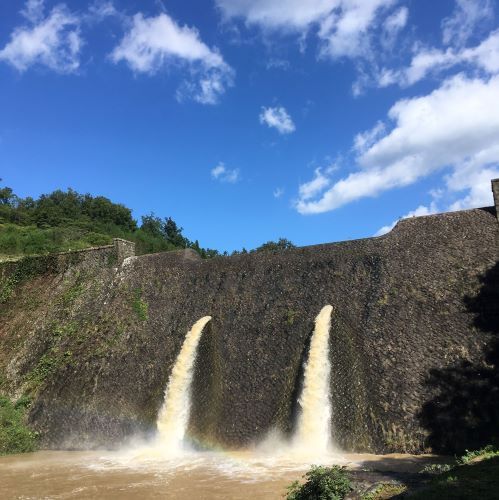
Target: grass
<point x="17" y="240"/>
<point x="385" y="491"/>
<point x="15" y="435"/>
<point x="482" y="454"/>
<point x="472" y="480"/>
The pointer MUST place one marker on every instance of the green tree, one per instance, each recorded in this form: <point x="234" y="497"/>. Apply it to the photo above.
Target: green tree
<point x="174" y="234"/>
<point x="152" y="225"/>
<point x="275" y="246"/>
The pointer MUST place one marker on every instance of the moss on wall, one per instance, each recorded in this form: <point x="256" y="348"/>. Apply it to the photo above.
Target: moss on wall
<point x="96" y="354"/>
<point x="15" y="435"/>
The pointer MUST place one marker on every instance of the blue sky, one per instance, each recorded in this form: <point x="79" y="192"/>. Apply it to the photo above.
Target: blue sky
<point x="317" y="120"/>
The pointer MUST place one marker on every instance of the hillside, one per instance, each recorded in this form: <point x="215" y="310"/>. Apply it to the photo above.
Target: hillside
<point x="67" y="220"/>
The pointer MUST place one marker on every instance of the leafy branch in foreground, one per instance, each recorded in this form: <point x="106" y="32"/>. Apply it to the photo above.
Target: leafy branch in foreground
<point x="324" y="483"/>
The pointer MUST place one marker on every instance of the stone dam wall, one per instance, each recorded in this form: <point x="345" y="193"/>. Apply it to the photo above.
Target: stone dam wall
<point x="93" y="340"/>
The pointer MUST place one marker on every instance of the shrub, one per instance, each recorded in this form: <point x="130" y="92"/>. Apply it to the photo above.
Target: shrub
<point x="436" y="468"/>
<point x="322" y="483"/>
<point x="15" y="436"/>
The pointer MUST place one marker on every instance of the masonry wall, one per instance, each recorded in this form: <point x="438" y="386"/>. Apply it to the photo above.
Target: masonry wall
<point x="406" y="307"/>
<point x="495" y="192"/>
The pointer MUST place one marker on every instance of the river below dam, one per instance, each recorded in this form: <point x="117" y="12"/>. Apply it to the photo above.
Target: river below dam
<point x="167" y="466"/>
<point x="195" y="475"/>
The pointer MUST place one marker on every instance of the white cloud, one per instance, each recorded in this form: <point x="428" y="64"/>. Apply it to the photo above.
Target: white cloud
<point x="455" y="127"/>
<point x="396" y="21"/>
<point x="343" y="25"/>
<point x="100" y="9"/>
<point x="467" y="16"/>
<point x="311" y="188"/>
<point x="277" y="118"/>
<point x="208" y="89"/>
<point x="484" y="56"/>
<point x="154" y="42"/>
<point x="364" y="140"/>
<point x="33" y="11"/>
<point x="392" y="26"/>
<point x="418" y="212"/>
<point x="223" y="174"/>
<point x="53" y="40"/>
<point x="278" y="192"/>
<point x="346" y="33"/>
<point x="283" y="14"/>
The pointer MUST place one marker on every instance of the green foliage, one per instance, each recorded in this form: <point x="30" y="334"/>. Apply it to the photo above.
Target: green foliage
<point x="478" y="480"/>
<point x="54" y="358"/>
<point x="139" y="306"/>
<point x="66" y="220"/>
<point x="275" y="246"/>
<point x="322" y="483"/>
<point x="47" y="365"/>
<point x="26" y="268"/>
<point x="483" y="453"/>
<point x="60" y="207"/>
<point x="71" y="294"/>
<point x="15" y="436"/>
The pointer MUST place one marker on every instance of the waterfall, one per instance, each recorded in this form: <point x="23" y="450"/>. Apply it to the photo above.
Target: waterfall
<point x="173" y="417"/>
<point x="313" y="433"/>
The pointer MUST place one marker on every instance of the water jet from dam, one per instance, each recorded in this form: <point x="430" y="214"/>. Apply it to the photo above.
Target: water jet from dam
<point x="173" y="417"/>
<point x="313" y="432"/>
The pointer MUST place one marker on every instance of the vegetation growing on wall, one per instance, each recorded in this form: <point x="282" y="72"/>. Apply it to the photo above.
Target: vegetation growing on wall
<point x="140" y="307"/>
<point x="27" y="267"/>
<point x="15" y="436"/>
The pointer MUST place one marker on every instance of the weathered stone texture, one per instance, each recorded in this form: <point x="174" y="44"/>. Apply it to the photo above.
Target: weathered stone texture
<point x="495" y="192"/>
<point x="399" y="311"/>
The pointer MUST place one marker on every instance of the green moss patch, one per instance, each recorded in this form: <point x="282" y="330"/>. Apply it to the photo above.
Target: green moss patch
<point x="140" y="307"/>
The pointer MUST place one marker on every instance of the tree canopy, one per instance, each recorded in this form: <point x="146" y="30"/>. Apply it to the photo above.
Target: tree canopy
<point x="68" y="220"/>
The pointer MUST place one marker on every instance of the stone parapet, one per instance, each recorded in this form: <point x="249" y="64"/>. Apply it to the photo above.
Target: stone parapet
<point x="495" y="191"/>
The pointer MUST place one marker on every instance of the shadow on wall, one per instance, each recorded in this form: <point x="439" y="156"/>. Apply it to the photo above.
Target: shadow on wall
<point x="465" y="414"/>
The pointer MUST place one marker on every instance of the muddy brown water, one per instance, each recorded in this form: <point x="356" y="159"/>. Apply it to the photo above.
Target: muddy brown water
<point x="108" y="475"/>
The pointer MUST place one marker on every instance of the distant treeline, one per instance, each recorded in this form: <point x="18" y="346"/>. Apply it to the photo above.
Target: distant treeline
<point x="67" y="220"/>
